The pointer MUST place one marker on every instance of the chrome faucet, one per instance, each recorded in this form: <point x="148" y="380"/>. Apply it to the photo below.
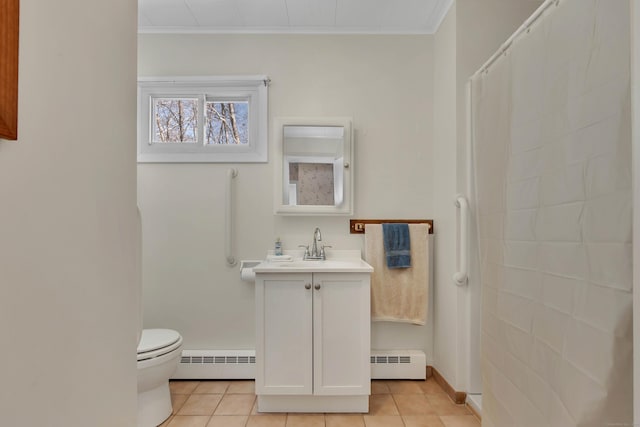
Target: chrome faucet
<point x="315" y="254"/>
<point x="317" y="237"/>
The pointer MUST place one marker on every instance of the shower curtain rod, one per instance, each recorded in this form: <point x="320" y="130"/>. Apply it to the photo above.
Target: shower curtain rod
<point x="524" y="27"/>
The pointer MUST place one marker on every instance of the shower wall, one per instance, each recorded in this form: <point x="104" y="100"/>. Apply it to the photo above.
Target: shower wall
<point x="552" y="152"/>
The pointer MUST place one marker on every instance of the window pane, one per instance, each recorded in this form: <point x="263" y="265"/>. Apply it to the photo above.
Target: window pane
<point x="175" y="120"/>
<point x="226" y="122"/>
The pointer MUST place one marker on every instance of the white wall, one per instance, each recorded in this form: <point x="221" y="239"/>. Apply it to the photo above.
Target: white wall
<point x="68" y="301"/>
<point x="475" y="29"/>
<point x="384" y="83"/>
<point x="187" y="284"/>
<point x="445" y="305"/>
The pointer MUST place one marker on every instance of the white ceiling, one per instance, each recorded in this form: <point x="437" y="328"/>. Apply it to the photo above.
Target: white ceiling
<point x="292" y="16"/>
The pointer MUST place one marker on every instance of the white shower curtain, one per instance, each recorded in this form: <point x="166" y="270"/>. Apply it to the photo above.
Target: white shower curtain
<point x="552" y="153"/>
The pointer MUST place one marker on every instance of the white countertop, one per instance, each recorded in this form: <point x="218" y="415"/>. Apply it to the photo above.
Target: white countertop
<point x="338" y="261"/>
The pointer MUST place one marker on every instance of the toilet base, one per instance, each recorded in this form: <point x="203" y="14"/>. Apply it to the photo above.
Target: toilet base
<point x="154" y="406"/>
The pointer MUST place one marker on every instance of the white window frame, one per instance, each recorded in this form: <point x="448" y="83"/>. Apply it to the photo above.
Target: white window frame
<point x="253" y="89"/>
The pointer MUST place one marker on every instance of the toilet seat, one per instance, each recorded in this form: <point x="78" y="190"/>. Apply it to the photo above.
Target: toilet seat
<point x="157" y="342"/>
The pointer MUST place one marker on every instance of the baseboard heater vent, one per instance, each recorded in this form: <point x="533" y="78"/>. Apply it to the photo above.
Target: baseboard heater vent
<point x="398" y="364"/>
<point x="216" y="364"/>
<point x="218" y="359"/>
<point x="390" y="359"/>
<point x="241" y="364"/>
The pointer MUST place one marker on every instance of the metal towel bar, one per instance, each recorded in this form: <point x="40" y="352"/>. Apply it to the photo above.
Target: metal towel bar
<point x="228" y="241"/>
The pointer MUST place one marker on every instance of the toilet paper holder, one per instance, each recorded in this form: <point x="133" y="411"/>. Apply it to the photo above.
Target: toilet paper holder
<point x="246" y="270"/>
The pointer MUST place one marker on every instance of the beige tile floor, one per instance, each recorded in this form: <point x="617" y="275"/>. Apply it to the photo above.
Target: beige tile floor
<point x="392" y="404"/>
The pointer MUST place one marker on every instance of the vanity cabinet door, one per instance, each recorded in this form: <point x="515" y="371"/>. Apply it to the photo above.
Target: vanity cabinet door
<point x="342" y="331"/>
<point x="284" y="341"/>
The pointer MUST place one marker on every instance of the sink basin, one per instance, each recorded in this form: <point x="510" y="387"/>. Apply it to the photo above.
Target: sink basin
<point x="322" y="264"/>
<point x="341" y="263"/>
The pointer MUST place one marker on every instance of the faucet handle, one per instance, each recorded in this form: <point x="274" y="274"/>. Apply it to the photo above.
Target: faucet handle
<point x="306" y="250"/>
<point x="322" y="252"/>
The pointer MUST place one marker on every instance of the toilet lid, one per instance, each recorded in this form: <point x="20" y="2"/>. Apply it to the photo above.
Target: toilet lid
<point x="155" y="339"/>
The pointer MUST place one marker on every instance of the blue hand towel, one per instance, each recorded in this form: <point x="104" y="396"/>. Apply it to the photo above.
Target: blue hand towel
<point x="397" y="245"/>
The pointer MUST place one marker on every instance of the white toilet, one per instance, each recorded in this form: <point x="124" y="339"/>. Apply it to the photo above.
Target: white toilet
<point x="159" y="351"/>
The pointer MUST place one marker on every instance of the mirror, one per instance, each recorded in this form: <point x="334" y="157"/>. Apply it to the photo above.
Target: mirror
<point x="314" y="166"/>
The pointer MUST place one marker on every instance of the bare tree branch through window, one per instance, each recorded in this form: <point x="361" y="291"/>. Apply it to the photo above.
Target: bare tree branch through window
<point x="226" y="122"/>
<point x="176" y="120"/>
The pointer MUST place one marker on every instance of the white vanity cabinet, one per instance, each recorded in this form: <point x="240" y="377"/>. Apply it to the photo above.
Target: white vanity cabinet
<point x="313" y="341"/>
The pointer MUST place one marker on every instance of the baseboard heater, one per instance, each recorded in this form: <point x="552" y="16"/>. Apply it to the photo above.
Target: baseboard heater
<point x="398" y="364"/>
<point x="241" y="364"/>
<point x="216" y="365"/>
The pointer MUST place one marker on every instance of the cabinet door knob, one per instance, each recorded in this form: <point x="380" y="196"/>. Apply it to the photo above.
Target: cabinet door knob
<point x="317" y="286"/>
<point x="307" y="286"/>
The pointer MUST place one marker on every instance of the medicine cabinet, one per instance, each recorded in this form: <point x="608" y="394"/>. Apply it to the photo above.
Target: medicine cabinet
<point x="314" y="166"/>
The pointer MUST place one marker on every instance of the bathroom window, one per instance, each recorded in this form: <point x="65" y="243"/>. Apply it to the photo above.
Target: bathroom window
<point x="202" y="120"/>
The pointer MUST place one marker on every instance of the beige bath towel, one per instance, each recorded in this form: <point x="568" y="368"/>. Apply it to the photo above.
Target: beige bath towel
<point x="399" y="294"/>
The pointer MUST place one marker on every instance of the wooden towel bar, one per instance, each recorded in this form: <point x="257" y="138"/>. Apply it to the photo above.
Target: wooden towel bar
<point x="356" y="226"/>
